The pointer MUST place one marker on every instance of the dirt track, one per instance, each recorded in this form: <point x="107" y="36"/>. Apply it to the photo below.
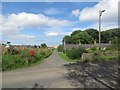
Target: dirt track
<point x="49" y="74"/>
<point x="54" y="72"/>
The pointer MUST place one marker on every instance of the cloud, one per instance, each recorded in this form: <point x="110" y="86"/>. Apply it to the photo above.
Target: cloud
<point x="74" y="29"/>
<point x="34" y="20"/>
<point x="91" y="13"/>
<point x="14" y="23"/>
<point x="23" y="36"/>
<point x="76" y="12"/>
<point x="105" y="26"/>
<point x="56" y="33"/>
<point x="51" y="34"/>
<point x="52" y="11"/>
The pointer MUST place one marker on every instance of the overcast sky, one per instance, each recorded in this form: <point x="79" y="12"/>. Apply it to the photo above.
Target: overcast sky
<point x="37" y="22"/>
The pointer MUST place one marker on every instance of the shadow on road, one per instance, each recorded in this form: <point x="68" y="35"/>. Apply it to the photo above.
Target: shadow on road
<point x="97" y="74"/>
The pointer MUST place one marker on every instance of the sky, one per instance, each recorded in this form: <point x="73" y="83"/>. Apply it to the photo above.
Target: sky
<point x="33" y="23"/>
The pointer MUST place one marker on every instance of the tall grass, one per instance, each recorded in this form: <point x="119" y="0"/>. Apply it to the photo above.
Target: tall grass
<point x="22" y="58"/>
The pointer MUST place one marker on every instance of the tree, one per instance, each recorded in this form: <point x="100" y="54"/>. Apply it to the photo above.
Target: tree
<point x="78" y="37"/>
<point x="105" y="36"/>
<point x="108" y="35"/>
<point x="75" y="39"/>
<point x="75" y="32"/>
<point x="83" y="37"/>
<point x="93" y="33"/>
<point x="67" y="39"/>
<point x="89" y="35"/>
<point x="44" y="45"/>
<point x="35" y="46"/>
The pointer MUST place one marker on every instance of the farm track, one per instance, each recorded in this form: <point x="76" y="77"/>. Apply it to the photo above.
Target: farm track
<point x="49" y="74"/>
<point x="54" y="72"/>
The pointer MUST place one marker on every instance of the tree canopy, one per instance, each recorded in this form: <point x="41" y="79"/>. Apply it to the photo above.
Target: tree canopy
<point x="93" y="33"/>
<point x="89" y="35"/>
<point x="44" y="45"/>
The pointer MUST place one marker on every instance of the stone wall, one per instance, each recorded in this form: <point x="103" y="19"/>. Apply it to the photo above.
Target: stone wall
<point x="93" y="56"/>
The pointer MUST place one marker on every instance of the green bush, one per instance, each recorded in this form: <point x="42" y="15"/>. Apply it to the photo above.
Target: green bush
<point x="60" y="48"/>
<point x="72" y="53"/>
<point x="75" y="53"/>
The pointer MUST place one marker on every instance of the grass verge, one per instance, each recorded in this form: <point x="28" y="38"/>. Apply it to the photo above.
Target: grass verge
<point x="23" y="59"/>
<point x="63" y="56"/>
<point x="107" y="58"/>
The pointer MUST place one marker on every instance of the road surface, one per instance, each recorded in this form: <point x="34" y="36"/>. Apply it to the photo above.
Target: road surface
<point x="52" y="74"/>
<point x="49" y="74"/>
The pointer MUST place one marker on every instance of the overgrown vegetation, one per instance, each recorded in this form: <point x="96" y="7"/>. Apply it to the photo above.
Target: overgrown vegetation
<point x="100" y="55"/>
<point x="115" y="44"/>
<point x="107" y="58"/>
<point x="60" y="48"/>
<point x="75" y="53"/>
<point x="89" y="36"/>
<point x="22" y="58"/>
<point x="66" y="58"/>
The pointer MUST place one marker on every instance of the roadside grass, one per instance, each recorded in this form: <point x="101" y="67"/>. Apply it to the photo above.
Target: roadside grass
<point x="63" y="56"/>
<point x="0" y="62"/>
<point x="23" y="59"/>
<point x="102" y="56"/>
<point x="107" y="58"/>
<point x="23" y="66"/>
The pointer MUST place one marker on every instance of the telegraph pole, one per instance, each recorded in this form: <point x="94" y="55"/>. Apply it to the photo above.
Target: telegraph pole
<point x="100" y="15"/>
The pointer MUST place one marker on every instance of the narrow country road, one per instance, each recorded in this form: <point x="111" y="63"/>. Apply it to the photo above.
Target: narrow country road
<point x="49" y="74"/>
